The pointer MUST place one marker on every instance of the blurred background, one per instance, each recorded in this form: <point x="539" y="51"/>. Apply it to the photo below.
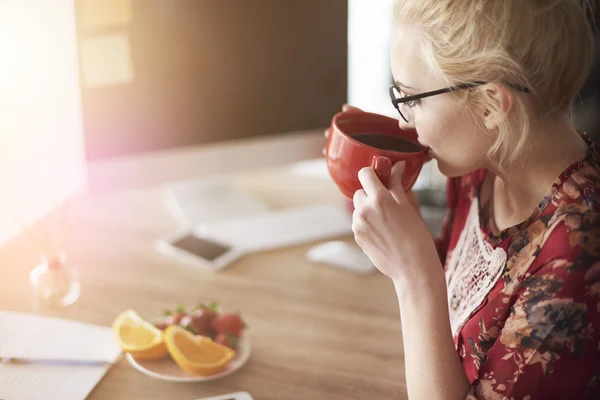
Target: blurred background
<point x="84" y="81"/>
<point x="166" y="73"/>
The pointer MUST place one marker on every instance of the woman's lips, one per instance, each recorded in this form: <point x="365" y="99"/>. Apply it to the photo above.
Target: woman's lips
<point x="430" y="154"/>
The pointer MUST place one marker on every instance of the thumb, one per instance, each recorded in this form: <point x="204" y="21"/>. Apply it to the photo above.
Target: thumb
<point x="395" y="184"/>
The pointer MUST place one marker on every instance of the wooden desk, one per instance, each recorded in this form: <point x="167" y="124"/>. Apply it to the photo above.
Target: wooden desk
<point x="317" y="332"/>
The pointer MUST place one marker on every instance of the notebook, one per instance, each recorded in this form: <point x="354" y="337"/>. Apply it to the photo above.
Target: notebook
<point x="27" y="335"/>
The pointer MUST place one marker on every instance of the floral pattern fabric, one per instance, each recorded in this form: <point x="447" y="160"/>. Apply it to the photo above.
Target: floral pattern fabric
<point x="536" y="335"/>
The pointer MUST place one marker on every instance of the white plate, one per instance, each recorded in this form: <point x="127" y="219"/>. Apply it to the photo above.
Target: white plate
<point x="167" y="370"/>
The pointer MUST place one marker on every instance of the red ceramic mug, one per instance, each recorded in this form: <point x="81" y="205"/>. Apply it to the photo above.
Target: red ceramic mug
<point x="359" y="139"/>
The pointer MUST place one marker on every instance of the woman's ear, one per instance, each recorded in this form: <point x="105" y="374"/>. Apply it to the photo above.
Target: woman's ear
<point x="499" y="102"/>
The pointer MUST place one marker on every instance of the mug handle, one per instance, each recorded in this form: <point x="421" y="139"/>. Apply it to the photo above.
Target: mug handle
<point x="383" y="168"/>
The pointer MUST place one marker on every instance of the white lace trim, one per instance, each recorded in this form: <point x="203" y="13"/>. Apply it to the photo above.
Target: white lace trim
<point x="472" y="271"/>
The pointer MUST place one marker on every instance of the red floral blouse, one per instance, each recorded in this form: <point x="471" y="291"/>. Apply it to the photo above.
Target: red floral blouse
<point x="525" y="303"/>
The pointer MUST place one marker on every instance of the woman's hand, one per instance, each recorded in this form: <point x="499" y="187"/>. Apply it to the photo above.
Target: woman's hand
<point x="392" y="234"/>
<point x="390" y="231"/>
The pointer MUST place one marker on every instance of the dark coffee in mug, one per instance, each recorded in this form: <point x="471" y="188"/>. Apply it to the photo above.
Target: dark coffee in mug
<point x="387" y="142"/>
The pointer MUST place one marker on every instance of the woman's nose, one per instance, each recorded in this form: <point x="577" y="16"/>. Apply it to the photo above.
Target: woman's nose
<point x="406" y="125"/>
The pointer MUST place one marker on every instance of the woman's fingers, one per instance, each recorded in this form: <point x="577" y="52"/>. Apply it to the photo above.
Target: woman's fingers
<point x="370" y="181"/>
<point x="359" y="199"/>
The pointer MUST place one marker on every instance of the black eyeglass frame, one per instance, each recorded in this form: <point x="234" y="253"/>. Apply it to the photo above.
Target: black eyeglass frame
<point x="397" y="101"/>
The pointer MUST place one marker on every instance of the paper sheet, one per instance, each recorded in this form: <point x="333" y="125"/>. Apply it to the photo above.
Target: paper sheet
<point x="25" y="335"/>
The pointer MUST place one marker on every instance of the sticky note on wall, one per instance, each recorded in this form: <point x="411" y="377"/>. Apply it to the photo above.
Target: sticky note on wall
<point x="106" y="60"/>
<point x="105" y="13"/>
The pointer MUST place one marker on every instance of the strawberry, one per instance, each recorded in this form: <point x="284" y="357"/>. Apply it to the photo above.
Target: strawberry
<point x="199" y="321"/>
<point x="227" y="339"/>
<point x="162" y="325"/>
<point x="174" y="318"/>
<point x="228" y="323"/>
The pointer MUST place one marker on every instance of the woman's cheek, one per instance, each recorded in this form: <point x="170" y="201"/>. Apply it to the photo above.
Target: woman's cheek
<point x="427" y="136"/>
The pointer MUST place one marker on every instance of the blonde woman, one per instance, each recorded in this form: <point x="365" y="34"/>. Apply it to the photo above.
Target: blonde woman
<point x="510" y="309"/>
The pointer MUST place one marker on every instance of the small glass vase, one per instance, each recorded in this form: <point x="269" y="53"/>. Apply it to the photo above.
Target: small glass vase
<point x="55" y="283"/>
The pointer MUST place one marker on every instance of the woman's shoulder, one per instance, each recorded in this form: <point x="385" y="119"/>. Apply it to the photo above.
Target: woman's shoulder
<point x="578" y="187"/>
<point x="567" y="219"/>
<point x="567" y="227"/>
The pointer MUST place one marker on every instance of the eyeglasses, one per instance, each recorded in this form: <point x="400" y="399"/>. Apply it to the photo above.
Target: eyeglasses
<point x="398" y="97"/>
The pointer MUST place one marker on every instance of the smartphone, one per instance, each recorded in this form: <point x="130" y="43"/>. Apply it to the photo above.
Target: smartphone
<point x="194" y="249"/>
<point x="231" y="396"/>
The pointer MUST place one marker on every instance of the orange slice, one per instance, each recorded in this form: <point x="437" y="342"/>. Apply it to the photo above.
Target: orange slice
<point x="138" y="337"/>
<point x="197" y="355"/>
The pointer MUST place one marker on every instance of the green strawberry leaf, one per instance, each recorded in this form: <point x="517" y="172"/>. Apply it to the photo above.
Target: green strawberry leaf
<point x="180" y="308"/>
<point x="167" y="313"/>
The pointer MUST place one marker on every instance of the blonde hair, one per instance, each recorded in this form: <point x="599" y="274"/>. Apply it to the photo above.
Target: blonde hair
<point x="544" y="45"/>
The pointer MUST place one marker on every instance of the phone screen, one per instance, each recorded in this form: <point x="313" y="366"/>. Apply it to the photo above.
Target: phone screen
<point x="200" y="247"/>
